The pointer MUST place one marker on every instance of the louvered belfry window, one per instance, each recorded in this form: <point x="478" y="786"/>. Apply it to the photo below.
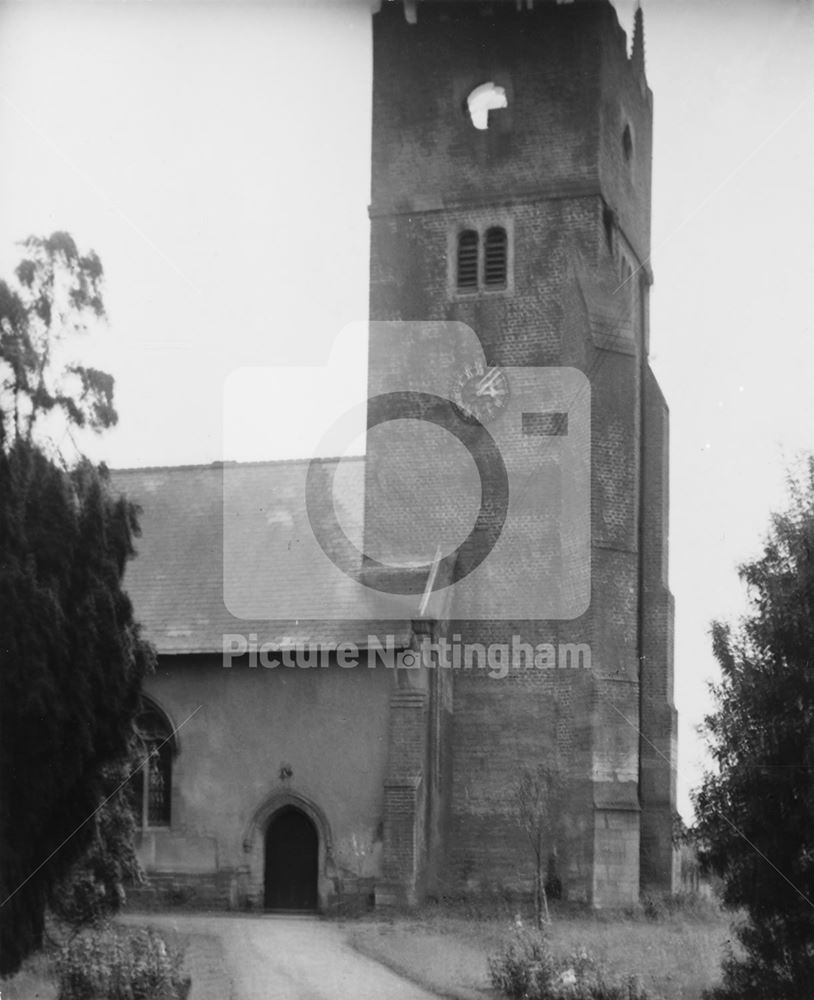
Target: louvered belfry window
<point x="468" y="259"/>
<point x="482" y="260"/>
<point x="495" y="258"/>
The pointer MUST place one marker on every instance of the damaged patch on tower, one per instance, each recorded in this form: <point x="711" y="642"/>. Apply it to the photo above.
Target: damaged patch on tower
<point x="485" y="98"/>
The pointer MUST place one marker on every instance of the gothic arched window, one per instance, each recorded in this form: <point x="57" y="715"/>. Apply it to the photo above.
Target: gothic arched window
<point x="152" y="782"/>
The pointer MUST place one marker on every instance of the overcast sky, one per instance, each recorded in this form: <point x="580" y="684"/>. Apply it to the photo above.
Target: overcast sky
<point x="216" y="156"/>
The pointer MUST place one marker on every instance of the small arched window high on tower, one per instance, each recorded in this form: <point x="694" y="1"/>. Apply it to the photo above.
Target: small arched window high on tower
<point x="627" y="144"/>
<point x="467" y="260"/>
<point x="495" y="258"/>
<point x="152" y="783"/>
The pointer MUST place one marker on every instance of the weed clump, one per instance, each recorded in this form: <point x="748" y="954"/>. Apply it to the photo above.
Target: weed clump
<point x="525" y="968"/>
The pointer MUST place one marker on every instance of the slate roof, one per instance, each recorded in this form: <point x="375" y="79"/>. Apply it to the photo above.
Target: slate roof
<point x="177" y="582"/>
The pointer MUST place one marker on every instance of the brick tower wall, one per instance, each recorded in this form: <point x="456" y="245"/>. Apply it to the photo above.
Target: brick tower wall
<point x="553" y="171"/>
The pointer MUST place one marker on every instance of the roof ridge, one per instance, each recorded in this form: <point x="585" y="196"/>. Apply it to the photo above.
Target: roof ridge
<point x="228" y="463"/>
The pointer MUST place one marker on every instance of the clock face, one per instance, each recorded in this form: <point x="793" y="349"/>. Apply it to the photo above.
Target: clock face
<point x="480" y="394"/>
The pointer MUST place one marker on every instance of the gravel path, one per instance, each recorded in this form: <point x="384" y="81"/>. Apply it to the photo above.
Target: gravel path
<point x="278" y="958"/>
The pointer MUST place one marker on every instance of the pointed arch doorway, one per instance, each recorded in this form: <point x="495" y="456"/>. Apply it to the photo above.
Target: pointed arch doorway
<point x="291" y="861"/>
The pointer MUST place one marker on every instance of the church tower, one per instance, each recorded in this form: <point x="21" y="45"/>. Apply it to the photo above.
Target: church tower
<point x="511" y="184"/>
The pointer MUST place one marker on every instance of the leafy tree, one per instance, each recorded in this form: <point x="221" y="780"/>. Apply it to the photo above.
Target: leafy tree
<point x="755" y="824"/>
<point x="58" y="292"/>
<point x="537" y="803"/>
<point x="71" y="656"/>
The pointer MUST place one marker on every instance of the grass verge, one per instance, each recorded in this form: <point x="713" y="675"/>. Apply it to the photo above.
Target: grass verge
<point x="675" y="957"/>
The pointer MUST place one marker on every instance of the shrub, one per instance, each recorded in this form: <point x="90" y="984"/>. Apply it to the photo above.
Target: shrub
<point x="93" y="888"/>
<point x="523" y="967"/>
<point x="688" y="905"/>
<point x="176" y="894"/>
<point x="526" y="969"/>
<point x="118" y="964"/>
<point x="654" y="907"/>
<point x="765" y="966"/>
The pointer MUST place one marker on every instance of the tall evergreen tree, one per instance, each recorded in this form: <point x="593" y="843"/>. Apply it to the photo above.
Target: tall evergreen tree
<point x="756" y="811"/>
<point x="71" y="656"/>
